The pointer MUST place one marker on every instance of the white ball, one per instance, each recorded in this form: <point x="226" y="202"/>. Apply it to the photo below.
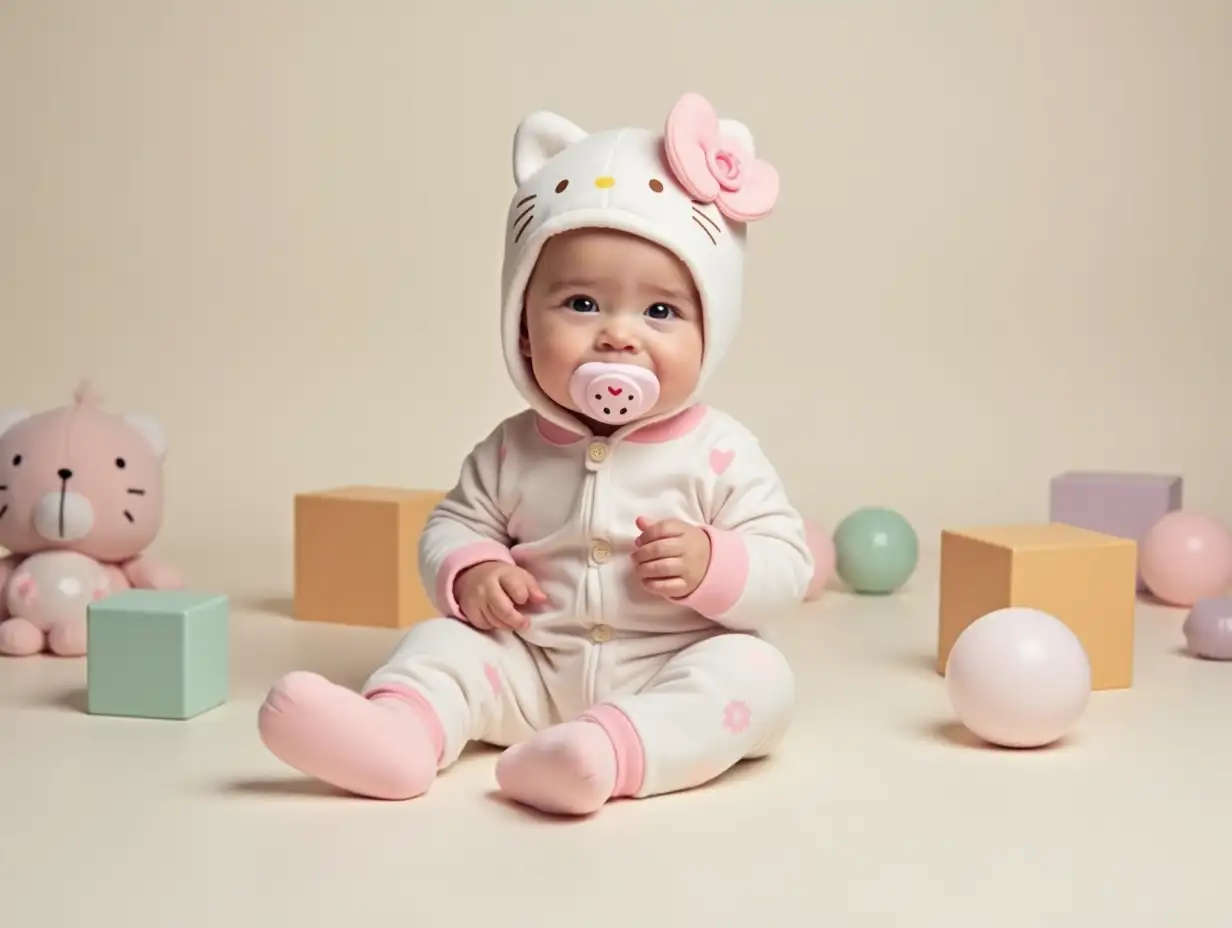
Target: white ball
<point x="1018" y="678"/>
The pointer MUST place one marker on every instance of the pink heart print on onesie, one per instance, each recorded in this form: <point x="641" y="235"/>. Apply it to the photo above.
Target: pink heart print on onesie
<point x="720" y="460"/>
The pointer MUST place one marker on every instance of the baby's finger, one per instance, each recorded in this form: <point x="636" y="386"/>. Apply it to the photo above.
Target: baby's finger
<point x="668" y="528"/>
<point x="661" y="568"/>
<point x="673" y="587"/>
<point x="664" y="547"/>
<point x="536" y="592"/>
<point x="475" y="615"/>
<point x="516" y="587"/>
<point x="501" y="611"/>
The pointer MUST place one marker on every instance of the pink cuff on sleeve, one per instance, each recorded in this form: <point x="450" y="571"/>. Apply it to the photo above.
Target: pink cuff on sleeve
<point x="726" y="576"/>
<point x="466" y="556"/>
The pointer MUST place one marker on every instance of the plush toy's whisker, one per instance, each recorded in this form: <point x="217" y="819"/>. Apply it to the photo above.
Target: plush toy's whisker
<point x="128" y="515"/>
<point x="3" y="510"/>
<point x="135" y="492"/>
<point x="4" y="486"/>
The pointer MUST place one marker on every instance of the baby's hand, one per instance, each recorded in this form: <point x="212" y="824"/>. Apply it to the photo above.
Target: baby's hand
<point x="489" y="591"/>
<point x="671" y="557"/>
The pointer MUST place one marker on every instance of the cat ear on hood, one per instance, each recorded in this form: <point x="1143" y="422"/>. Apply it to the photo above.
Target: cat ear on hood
<point x="10" y="417"/>
<point x="150" y="430"/>
<point x="539" y="138"/>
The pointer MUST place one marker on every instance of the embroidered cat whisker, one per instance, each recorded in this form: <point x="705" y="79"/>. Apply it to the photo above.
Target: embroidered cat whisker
<point x="136" y="492"/>
<point x="709" y="234"/>
<point x="524" y="225"/>
<point x="708" y="219"/>
<point x="128" y="515"/>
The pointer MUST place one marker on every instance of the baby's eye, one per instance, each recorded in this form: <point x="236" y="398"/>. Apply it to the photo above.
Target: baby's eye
<point x="661" y="311"/>
<point x="582" y="304"/>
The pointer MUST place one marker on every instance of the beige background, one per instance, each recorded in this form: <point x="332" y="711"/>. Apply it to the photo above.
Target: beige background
<point x="1002" y="249"/>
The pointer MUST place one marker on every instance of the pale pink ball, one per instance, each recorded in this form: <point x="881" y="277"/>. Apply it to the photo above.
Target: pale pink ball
<point x="1185" y="557"/>
<point x="822" y="546"/>
<point x="1018" y="678"/>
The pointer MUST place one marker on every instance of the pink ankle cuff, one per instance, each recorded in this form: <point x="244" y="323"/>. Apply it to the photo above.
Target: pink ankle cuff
<point x="630" y="758"/>
<point x="420" y="706"/>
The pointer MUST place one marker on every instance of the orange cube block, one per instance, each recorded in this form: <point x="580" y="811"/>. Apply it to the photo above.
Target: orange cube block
<point x="356" y="556"/>
<point x="1086" y="579"/>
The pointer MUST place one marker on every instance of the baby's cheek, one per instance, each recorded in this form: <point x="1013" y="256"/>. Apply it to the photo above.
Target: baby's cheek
<point x="553" y="365"/>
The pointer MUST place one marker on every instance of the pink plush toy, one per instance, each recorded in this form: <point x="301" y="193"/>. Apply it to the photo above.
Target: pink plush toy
<point x="81" y="499"/>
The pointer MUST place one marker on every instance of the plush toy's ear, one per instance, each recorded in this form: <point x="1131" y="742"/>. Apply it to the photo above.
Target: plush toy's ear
<point x="734" y="129"/>
<point x="150" y="430"/>
<point x="10" y="417"/>
<point x="540" y="137"/>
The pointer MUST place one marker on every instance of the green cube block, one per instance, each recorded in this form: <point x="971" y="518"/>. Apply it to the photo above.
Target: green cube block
<point x="158" y="654"/>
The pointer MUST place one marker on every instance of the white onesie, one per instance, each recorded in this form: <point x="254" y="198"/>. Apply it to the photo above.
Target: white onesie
<point x="684" y="688"/>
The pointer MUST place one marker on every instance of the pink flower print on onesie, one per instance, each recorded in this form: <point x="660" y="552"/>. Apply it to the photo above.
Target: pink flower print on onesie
<point x="736" y="716"/>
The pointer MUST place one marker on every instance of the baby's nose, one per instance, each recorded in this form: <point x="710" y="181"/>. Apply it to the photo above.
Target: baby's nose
<point x="617" y="339"/>
<point x="605" y="181"/>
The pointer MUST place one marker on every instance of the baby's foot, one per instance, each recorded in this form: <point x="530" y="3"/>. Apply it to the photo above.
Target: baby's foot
<point x="380" y="748"/>
<point x="568" y="769"/>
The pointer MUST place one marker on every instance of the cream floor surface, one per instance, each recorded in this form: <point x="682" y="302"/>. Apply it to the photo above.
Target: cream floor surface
<point x="877" y="812"/>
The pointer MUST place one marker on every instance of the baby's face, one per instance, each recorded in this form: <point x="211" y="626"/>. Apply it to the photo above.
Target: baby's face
<point x="602" y="295"/>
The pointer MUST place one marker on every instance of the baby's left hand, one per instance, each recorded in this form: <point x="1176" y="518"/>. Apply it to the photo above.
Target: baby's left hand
<point x="671" y="556"/>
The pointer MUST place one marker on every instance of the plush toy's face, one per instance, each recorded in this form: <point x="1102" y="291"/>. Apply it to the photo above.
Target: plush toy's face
<point x="82" y="479"/>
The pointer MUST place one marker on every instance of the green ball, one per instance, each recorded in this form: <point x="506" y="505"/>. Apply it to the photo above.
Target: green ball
<point x="876" y="550"/>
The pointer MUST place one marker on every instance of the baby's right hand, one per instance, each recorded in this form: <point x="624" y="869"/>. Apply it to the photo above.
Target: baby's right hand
<point x="489" y="594"/>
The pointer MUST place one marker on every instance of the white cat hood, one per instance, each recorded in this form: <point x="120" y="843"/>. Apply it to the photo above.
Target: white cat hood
<point x="691" y="188"/>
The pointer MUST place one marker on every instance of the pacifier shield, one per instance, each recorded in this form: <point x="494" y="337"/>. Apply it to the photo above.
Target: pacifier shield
<point x="614" y="393"/>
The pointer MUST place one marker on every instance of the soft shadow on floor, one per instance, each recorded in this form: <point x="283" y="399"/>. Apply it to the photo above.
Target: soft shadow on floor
<point x="286" y="787"/>
<point x="496" y="797"/>
<point x="955" y="733"/>
<point x="71" y="700"/>
<point x="921" y="663"/>
<point x="958" y="735"/>
<point x="283" y="606"/>
<point x="747" y="768"/>
<point x="1182" y="651"/>
<point x="1150" y="599"/>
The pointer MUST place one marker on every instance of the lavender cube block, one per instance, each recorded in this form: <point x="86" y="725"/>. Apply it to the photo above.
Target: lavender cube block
<point x="1122" y="504"/>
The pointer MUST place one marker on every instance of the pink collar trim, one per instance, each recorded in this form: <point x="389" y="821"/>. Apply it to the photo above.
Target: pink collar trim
<point x="680" y="424"/>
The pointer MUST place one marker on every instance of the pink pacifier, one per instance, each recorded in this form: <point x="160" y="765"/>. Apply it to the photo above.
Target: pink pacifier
<point x="614" y="393"/>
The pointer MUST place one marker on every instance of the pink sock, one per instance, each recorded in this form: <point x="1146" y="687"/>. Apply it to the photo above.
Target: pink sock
<point x="576" y="767"/>
<point x="384" y="747"/>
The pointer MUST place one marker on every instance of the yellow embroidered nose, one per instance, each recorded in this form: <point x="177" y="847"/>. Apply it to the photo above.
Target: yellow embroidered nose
<point x="604" y="182"/>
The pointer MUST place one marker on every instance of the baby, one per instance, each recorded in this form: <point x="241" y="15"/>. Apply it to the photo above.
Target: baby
<point x="609" y="557"/>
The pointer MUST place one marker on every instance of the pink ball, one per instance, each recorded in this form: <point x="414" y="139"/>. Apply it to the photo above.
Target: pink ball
<point x="822" y="546"/>
<point x="1185" y="557"/>
<point x="1018" y="678"/>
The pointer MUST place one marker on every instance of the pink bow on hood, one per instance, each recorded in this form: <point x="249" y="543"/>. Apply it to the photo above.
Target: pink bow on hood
<point x="717" y="168"/>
